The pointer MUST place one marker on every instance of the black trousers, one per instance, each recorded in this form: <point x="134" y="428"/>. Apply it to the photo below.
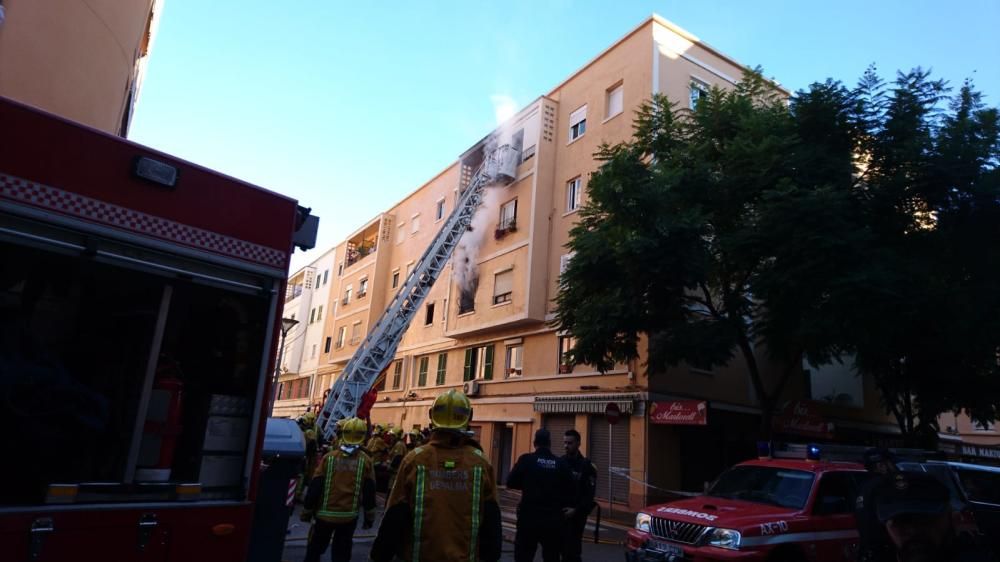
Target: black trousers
<point x="539" y="529"/>
<point x="319" y="538"/>
<point x="572" y="547"/>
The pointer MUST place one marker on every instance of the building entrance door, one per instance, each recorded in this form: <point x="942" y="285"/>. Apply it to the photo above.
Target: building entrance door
<point x="505" y="448"/>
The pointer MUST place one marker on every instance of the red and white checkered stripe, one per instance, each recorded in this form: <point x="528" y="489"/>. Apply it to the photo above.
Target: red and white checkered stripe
<point x="42" y="196"/>
<point x="290" y="498"/>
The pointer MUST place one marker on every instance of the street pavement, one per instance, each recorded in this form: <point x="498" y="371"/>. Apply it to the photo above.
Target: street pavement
<point x="610" y="548"/>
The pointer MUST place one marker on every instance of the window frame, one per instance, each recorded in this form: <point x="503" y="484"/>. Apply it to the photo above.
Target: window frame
<point x="563" y="365"/>
<point x="423" y="365"/>
<point x="478" y="363"/>
<point x="696" y="85"/>
<point x="362" y="287"/>
<point x="439" y="208"/>
<point x="397" y="374"/>
<point x="574" y="191"/>
<point x="578" y="123"/>
<point x="508" y="367"/>
<point x="609" y="94"/>
<point x="395" y="278"/>
<point x="508" y="223"/>
<point x="442" y="369"/>
<point x="429" y="314"/>
<point x="341" y="337"/>
<point x="505" y="297"/>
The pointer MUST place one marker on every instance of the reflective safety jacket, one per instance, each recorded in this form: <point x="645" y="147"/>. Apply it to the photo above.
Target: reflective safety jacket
<point x="378" y="448"/>
<point x="343" y="485"/>
<point x="443" y="506"/>
<point x="397" y="453"/>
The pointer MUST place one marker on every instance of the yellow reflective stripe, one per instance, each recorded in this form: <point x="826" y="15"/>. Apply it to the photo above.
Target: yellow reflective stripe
<point x="324" y="510"/>
<point x="418" y="511"/>
<point x="326" y="485"/>
<point x="477" y="480"/>
<point x="357" y="482"/>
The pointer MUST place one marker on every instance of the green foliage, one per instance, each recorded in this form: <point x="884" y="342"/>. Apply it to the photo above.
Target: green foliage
<point x="845" y="222"/>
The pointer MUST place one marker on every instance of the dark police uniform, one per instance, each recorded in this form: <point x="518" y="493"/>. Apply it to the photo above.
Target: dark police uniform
<point x="584" y="484"/>
<point x="547" y="487"/>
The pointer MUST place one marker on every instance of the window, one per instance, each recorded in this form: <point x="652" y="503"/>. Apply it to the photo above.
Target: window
<point x="566" y="345"/>
<point x="478" y="363"/>
<point x="356" y="333"/>
<point x="577" y="123"/>
<point x="467" y="296"/>
<point x="312" y="315"/>
<point x="613" y="100"/>
<point x="313" y="355"/>
<point x="508" y="215"/>
<point x="401" y="232"/>
<point x="439" y="210"/>
<point x="503" y="286"/>
<point x="326" y="346"/>
<point x="699" y="90"/>
<point x="395" y="278"/>
<point x="980" y="426"/>
<point x="836" y="494"/>
<point x="341" y="336"/>
<point x="573" y="190"/>
<point x="517" y="140"/>
<point x="397" y="374"/>
<point x="340" y="269"/>
<point x="326" y="276"/>
<point x="347" y="294"/>
<point x="319" y="313"/>
<point x="442" y="368"/>
<point x="429" y="317"/>
<point x="415" y="224"/>
<point x="422" y="371"/>
<point x="564" y="261"/>
<point x="765" y="484"/>
<point x="409" y="268"/>
<point x="515" y="357"/>
<point x="362" y="287"/>
<point x="527" y="153"/>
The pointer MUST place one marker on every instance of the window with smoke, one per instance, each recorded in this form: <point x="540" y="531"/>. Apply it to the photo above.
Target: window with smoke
<point x="467" y="296"/>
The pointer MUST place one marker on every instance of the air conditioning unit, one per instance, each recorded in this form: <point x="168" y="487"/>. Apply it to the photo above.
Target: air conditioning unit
<point x="471" y="388"/>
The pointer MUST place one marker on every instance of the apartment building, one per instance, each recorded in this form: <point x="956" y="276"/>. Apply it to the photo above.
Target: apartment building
<point x="82" y="60"/>
<point x="485" y="325"/>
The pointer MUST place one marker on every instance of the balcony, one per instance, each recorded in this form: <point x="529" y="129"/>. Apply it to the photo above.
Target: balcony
<point x="362" y="245"/>
<point x="504" y="228"/>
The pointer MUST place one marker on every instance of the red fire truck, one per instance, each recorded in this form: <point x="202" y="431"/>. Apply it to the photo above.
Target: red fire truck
<point x="140" y="299"/>
<point x="767" y="509"/>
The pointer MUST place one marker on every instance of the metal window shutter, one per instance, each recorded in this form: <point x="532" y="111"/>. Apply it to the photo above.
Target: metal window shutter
<point x="503" y="283"/>
<point x="558" y="425"/>
<point x="598" y="454"/>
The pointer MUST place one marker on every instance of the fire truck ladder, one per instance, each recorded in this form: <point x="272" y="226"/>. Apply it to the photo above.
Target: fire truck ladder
<point x="379" y="347"/>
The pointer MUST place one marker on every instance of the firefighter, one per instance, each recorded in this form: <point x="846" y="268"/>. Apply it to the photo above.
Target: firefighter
<point x="307" y="422"/>
<point x="396" y="454"/>
<point x="873" y="542"/>
<point x="444" y="504"/>
<point x="343" y="480"/>
<point x="377" y="447"/>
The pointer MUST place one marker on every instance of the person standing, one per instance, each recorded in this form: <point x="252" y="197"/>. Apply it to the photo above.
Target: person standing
<point x="444" y="504"/>
<point x="396" y="454"/>
<point x="873" y="542"/>
<point x="584" y="484"/>
<point x="546" y="485"/>
<point x="344" y="481"/>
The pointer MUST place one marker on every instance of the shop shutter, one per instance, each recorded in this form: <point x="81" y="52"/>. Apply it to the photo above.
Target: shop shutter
<point x="558" y="425"/>
<point x="598" y="453"/>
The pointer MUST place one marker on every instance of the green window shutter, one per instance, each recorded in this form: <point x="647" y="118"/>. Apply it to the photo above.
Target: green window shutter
<point x="469" y="356"/>
<point x="488" y="364"/>
<point x="422" y="376"/>
<point x="442" y="367"/>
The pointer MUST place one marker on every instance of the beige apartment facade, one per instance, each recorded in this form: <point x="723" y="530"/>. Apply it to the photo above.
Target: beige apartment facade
<point x="493" y="337"/>
<point x="84" y="61"/>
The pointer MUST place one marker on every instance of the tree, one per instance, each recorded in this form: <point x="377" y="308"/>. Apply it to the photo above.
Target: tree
<point x="677" y="240"/>
<point x="928" y="329"/>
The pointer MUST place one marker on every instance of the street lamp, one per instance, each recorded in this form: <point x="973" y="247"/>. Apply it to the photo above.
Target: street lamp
<point x="286" y="325"/>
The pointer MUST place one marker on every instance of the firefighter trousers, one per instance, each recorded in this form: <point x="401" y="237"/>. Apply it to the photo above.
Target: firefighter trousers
<point x="538" y="529"/>
<point x="320" y="535"/>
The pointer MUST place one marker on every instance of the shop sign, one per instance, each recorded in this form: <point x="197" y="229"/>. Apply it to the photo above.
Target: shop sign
<point x="802" y="418"/>
<point x="679" y="412"/>
<point x="981" y="452"/>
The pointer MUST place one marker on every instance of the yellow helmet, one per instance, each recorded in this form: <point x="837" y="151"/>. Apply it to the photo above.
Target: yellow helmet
<point x="309" y="417"/>
<point x="353" y="431"/>
<point x="451" y="410"/>
<point x="397" y="431"/>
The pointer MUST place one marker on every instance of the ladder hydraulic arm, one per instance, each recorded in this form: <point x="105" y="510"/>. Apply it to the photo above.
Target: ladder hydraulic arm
<point x="379" y="347"/>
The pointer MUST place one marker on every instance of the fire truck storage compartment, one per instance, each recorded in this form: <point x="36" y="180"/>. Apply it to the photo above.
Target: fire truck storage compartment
<point x="124" y="371"/>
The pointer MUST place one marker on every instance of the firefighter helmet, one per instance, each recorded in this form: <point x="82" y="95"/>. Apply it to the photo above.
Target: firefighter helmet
<point x="309" y="418"/>
<point x="451" y="410"/>
<point x="353" y="431"/>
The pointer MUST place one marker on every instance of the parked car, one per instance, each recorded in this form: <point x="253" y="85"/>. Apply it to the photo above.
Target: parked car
<point x="975" y="491"/>
<point x="766" y="509"/>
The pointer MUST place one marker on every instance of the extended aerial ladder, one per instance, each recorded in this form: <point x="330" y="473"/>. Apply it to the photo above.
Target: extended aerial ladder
<point x="379" y="348"/>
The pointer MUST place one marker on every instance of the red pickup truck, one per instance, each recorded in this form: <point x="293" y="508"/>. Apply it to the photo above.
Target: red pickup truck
<point x="768" y="509"/>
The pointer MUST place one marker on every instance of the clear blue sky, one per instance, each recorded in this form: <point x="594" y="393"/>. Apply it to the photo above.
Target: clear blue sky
<point x="349" y="106"/>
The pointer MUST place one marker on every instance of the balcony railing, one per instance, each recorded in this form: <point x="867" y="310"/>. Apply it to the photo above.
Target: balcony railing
<point x="505" y="227"/>
<point x="356" y="253"/>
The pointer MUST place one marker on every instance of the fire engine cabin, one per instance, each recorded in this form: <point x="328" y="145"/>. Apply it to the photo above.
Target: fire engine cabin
<point x="139" y="302"/>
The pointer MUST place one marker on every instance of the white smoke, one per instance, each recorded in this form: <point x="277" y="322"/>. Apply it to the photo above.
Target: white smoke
<point x="465" y="266"/>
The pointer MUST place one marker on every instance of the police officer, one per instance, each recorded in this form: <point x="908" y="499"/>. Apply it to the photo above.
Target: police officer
<point x="443" y="505"/>
<point x="546" y="485"/>
<point x="584" y="483"/>
<point x="873" y="543"/>
<point x="343" y="479"/>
